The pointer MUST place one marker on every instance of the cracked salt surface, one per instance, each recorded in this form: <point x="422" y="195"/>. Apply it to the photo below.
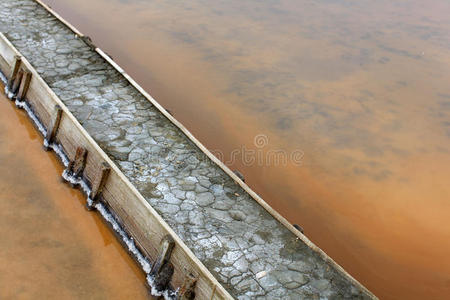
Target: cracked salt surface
<point x="212" y="214"/>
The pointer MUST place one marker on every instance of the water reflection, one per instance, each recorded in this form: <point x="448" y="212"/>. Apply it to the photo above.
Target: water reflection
<point x="361" y="88"/>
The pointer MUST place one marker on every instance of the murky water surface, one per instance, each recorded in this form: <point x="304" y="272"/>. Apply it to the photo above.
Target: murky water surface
<point x="360" y="87"/>
<point x="50" y="246"/>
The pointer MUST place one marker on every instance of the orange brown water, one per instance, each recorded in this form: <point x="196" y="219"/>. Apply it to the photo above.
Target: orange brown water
<point x="50" y="246"/>
<point x="361" y="87"/>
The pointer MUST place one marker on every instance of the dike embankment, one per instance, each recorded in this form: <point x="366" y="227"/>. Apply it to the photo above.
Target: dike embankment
<point x="196" y="229"/>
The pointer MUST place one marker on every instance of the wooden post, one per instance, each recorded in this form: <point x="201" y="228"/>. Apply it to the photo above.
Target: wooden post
<point x="167" y="244"/>
<point x="16" y="82"/>
<point x="25" y="84"/>
<point x="162" y="269"/>
<point x="14" y="71"/>
<point x="99" y="182"/>
<point x="53" y="128"/>
<point x="163" y="278"/>
<point x="79" y="162"/>
<point x="187" y="290"/>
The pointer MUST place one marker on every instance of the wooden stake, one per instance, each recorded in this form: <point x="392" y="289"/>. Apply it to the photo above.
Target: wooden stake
<point x="77" y="165"/>
<point x="167" y="244"/>
<point x="16" y="83"/>
<point x="187" y="290"/>
<point x="100" y="181"/>
<point x="25" y="84"/>
<point x="163" y="278"/>
<point x="162" y="269"/>
<point x="14" y="71"/>
<point x="53" y="128"/>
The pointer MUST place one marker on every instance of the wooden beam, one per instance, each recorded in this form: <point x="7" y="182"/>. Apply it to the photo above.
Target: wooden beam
<point x="167" y="245"/>
<point x="53" y="128"/>
<point x="16" y="82"/>
<point x="99" y="181"/>
<point x="163" y="278"/>
<point x="79" y="162"/>
<point x="14" y="71"/>
<point x="162" y="269"/>
<point x="24" y="86"/>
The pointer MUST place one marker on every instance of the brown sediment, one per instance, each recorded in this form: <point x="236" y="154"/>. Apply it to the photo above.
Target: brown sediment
<point x="51" y="247"/>
<point x="368" y="106"/>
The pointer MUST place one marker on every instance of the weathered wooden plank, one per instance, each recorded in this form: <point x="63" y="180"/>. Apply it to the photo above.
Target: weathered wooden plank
<point x="24" y="86"/>
<point x="14" y="71"/>
<point x="4" y="66"/>
<point x="100" y="181"/>
<point x="53" y="128"/>
<point x="79" y="162"/>
<point x="16" y="82"/>
<point x="167" y="244"/>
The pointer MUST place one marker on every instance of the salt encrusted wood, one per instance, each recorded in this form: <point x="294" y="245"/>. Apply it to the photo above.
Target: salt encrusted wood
<point x="24" y="85"/>
<point x="19" y="80"/>
<point x="76" y="166"/>
<point x="53" y="128"/>
<point x="141" y="221"/>
<point x="16" y="82"/>
<point x="162" y="269"/>
<point x="100" y="181"/>
<point x="167" y="245"/>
